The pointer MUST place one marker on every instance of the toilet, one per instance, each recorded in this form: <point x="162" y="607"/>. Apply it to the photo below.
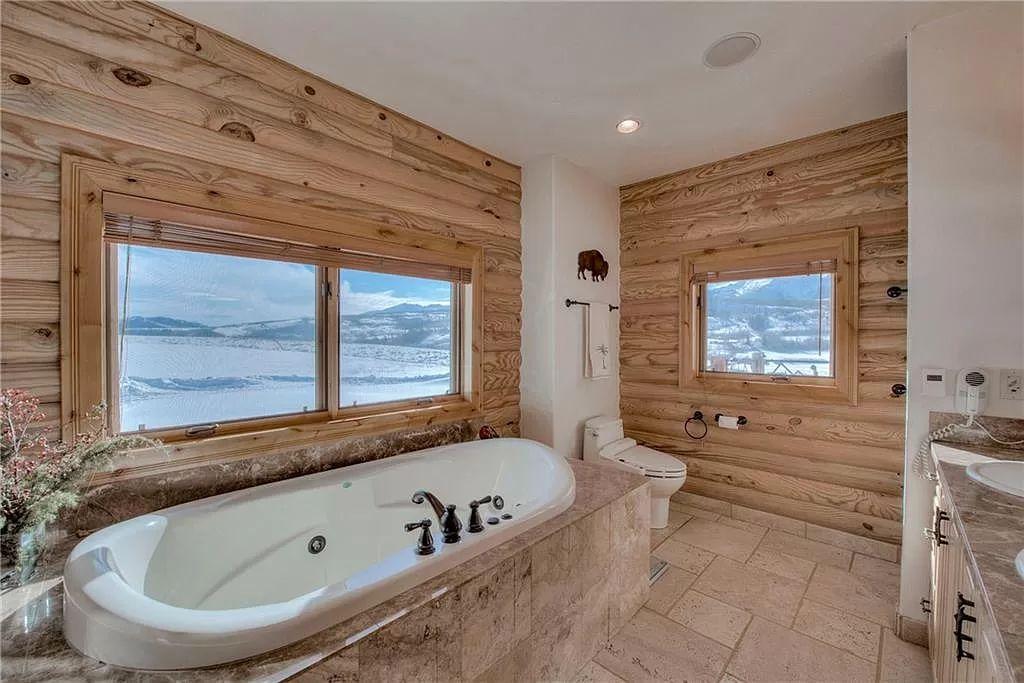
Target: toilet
<point x="604" y="441"/>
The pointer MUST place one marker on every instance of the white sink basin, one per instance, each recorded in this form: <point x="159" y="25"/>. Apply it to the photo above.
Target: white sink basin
<point x="1002" y="475"/>
<point x="1020" y="563"/>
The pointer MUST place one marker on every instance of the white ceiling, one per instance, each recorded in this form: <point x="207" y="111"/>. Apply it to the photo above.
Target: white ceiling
<point x="526" y="79"/>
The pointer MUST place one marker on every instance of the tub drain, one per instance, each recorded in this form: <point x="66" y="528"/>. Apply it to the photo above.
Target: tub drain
<point x="317" y="544"/>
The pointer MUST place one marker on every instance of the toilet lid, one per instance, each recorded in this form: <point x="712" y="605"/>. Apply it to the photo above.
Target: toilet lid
<point x="653" y="463"/>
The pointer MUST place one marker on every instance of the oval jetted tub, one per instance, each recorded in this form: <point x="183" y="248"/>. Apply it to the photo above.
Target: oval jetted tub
<point x="236" y="575"/>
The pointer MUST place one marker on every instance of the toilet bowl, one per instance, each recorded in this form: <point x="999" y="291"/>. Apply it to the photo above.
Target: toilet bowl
<point x="605" y="441"/>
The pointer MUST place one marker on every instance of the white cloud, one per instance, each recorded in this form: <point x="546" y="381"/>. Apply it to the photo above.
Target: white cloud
<point x="353" y="303"/>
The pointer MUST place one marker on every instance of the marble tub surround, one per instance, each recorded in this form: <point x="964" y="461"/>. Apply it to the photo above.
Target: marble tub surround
<point x="992" y="526"/>
<point x="411" y="628"/>
<point x="770" y="604"/>
<point x="114" y="502"/>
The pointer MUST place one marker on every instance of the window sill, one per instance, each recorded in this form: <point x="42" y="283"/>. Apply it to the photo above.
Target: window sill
<point x="183" y="455"/>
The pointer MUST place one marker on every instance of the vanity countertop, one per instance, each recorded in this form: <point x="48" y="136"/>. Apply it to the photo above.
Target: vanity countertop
<point x="992" y="524"/>
<point x="34" y="648"/>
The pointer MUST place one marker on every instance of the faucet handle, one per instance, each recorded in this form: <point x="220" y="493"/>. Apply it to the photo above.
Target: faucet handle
<point x="476" y="525"/>
<point x="425" y="544"/>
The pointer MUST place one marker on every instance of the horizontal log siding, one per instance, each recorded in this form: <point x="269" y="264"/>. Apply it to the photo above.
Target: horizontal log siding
<point x="839" y="466"/>
<point x="303" y="140"/>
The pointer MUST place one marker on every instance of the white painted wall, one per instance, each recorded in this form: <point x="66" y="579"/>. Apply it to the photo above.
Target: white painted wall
<point x="966" y="233"/>
<point x="566" y="209"/>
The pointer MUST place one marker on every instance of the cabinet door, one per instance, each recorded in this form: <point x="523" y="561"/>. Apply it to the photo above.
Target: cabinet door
<point x="946" y="563"/>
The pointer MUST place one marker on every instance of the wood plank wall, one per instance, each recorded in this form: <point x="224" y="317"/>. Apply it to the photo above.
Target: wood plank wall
<point x="836" y="466"/>
<point x="132" y="84"/>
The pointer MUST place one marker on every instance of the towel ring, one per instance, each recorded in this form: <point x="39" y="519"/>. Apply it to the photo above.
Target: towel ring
<point x="699" y="418"/>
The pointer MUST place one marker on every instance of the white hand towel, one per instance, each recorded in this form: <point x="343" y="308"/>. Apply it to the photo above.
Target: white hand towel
<point x="598" y="360"/>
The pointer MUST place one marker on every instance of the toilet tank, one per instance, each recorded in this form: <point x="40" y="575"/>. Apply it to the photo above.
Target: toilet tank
<point x="598" y="432"/>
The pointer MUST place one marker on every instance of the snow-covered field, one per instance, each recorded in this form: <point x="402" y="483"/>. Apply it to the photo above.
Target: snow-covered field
<point x="173" y="380"/>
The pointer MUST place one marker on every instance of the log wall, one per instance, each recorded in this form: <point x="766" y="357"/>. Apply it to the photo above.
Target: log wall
<point x="132" y="84"/>
<point x="838" y="466"/>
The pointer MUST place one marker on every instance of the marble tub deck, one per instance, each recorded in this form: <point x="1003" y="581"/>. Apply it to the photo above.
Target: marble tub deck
<point x="750" y="597"/>
<point x="33" y="646"/>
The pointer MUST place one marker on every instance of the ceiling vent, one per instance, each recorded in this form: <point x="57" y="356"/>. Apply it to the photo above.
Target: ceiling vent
<point x="730" y="50"/>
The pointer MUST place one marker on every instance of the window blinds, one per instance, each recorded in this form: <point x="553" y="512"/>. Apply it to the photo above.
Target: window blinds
<point x="810" y="267"/>
<point x="120" y="228"/>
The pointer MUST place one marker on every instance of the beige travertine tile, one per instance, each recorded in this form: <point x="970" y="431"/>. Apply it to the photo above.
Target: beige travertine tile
<point x="845" y="631"/>
<point x="692" y="511"/>
<point x="885" y="575"/>
<point x="417" y="647"/>
<point x="727" y="678"/>
<point x="667" y="590"/>
<point x="487" y="606"/>
<point x="903" y="662"/>
<point x="782" y="564"/>
<point x="771" y="653"/>
<point x="850" y="593"/>
<point x="709" y="617"/>
<point x="676" y="518"/>
<point x="629" y="567"/>
<point x="561" y="647"/>
<point x="524" y="579"/>
<point x="769" y="519"/>
<point x="808" y="549"/>
<point x="696" y="500"/>
<point x="740" y="524"/>
<point x="755" y="590"/>
<point x="595" y="673"/>
<point x="684" y="556"/>
<point x="860" y="544"/>
<point x="568" y="566"/>
<point x="652" y="647"/>
<point x="718" y="538"/>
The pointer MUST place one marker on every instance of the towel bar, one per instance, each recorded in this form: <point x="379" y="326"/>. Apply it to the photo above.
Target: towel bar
<point x="573" y="302"/>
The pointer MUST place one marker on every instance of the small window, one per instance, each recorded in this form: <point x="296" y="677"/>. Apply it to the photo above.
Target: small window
<point x="777" y="318"/>
<point x="207" y="338"/>
<point x="399" y="336"/>
<point x="779" y="326"/>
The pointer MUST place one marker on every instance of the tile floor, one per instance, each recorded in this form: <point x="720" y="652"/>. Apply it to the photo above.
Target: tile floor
<point x="750" y="596"/>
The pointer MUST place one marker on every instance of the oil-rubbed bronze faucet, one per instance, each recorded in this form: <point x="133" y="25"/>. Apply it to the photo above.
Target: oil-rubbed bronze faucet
<point x="434" y="501"/>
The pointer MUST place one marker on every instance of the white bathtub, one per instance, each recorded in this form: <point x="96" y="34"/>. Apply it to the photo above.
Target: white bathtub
<point x="232" y="576"/>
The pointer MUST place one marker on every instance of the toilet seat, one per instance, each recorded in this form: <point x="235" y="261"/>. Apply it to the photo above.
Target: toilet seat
<point x="651" y="463"/>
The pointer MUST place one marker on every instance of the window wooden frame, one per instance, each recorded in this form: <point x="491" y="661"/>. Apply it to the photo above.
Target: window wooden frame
<point x="775" y="258"/>
<point x="90" y="187"/>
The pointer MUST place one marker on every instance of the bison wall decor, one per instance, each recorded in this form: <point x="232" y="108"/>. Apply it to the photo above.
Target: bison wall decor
<point x="593" y="261"/>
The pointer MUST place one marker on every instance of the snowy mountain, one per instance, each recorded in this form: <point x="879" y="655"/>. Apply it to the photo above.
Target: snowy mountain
<point x="166" y="327"/>
<point x="424" y="326"/>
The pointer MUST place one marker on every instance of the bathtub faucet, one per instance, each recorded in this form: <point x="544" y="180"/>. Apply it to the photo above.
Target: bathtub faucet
<point x="434" y="501"/>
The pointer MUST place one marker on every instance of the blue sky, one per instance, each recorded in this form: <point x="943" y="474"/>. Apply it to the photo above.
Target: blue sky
<point x="225" y="290"/>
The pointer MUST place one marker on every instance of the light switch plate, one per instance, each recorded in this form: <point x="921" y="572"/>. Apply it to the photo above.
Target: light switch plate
<point x="1011" y="384"/>
<point x="933" y="382"/>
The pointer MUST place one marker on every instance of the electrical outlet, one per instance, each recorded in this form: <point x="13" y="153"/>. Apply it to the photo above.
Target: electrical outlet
<point x="1011" y="385"/>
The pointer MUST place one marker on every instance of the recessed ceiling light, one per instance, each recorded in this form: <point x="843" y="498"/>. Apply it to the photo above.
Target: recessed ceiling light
<point x="730" y="50"/>
<point x="628" y="126"/>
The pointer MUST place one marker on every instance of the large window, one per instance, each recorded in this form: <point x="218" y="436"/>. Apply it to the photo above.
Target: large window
<point x="778" y="318"/>
<point x="200" y="340"/>
<point x="230" y="323"/>
<point x="215" y="325"/>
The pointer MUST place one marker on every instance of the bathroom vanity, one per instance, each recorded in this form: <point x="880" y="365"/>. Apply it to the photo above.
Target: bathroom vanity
<point x="976" y="623"/>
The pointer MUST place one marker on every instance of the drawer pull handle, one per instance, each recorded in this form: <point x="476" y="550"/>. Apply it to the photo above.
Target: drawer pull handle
<point x="959" y="618"/>
<point x="937" y="535"/>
